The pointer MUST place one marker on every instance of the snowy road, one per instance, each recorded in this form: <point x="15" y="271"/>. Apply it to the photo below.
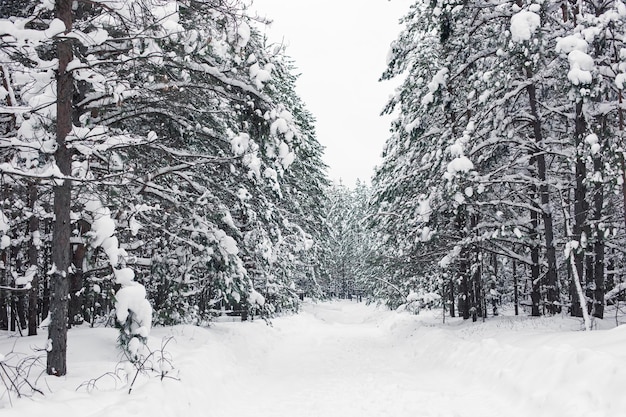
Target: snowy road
<point x="341" y="359"/>
<point x="344" y="359"/>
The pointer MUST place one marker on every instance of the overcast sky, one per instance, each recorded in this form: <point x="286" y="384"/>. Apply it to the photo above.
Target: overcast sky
<point x="340" y="47"/>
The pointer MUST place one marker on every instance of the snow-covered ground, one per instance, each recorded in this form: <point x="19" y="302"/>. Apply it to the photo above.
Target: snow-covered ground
<point x="346" y="359"/>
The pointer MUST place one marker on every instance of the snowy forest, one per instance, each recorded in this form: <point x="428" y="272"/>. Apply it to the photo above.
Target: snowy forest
<point x="152" y="150"/>
<point x="158" y="168"/>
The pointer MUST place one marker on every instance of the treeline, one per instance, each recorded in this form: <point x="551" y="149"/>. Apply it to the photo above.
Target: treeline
<point x="153" y="141"/>
<point x="504" y="172"/>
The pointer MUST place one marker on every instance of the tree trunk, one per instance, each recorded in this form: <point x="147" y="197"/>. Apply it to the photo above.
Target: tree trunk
<point x="4" y="299"/>
<point x="544" y="196"/>
<point x="622" y="155"/>
<point x="57" y="330"/>
<point x="580" y="207"/>
<point x="535" y="290"/>
<point x="33" y="259"/>
<point x="478" y="298"/>
<point x="464" y="267"/>
<point x="478" y="295"/>
<point x="12" y="310"/>
<point x="515" y="289"/>
<point x="610" y="273"/>
<point x="452" y="309"/>
<point x="598" y="202"/>
<point x="21" y="310"/>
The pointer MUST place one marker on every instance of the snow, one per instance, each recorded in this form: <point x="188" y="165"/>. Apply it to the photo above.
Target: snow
<point x="581" y="66"/>
<point x="132" y="298"/>
<point x="571" y="43"/>
<point x="523" y="25"/>
<point x="261" y="75"/>
<point x="256" y="298"/>
<point x="124" y="276"/>
<point x="243" y="31"/>
<point x="620" y="79"/>
<point x="5" y="242"/>
<point x="593" y="142"/>
<point x="102" y="227"/>
<point x="438" y="80"/>
<point x="167" y="16"/>
<point x="240" y="143"/>
<point x="228" y="219"/>
<point x="4" y="223"/>
<point x="424" y="209"/>
<point x="112" y="249"/>
<point x="460" y="164"/>
<point x="279" y="126"/>
<point x="345" y="359"/>
<point x="447" y="259"/>
<point x="227" y="243"/>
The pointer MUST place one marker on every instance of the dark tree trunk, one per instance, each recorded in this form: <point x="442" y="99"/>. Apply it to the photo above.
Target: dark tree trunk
<point x="589" y="270"/>
<point x="493" y="286"/>
<point x="464" y="292"/>
<point x="598" y="202"/>
<point x="4" y="295"/>
<point x="610" y="273"/>
<point x="57" y="330"/>
<point x="478" y="295"/>
<point x="515" y="289"/>
<point x="620" y="118"/>
<point x="544" y="196"/>
<point x="12" y="310"/>
<point x="580" y="208"/>
<point x="45" y="278"/>
<point x="464" y="267"/>
<point x="21" y="309"/>
<point x="535" y="290"/>
<point x="452" y="309"/>
<point x="45" y="296"/>
<point x="33" y="259"/>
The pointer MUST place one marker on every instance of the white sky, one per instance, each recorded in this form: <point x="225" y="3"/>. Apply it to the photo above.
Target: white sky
<point x="340" y="47"/>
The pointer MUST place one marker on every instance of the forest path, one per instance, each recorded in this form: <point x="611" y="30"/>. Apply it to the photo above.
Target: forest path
<point x="344" y="359"/>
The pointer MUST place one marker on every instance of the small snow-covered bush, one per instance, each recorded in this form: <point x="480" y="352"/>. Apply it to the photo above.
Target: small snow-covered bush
<point x="133" y="314"/>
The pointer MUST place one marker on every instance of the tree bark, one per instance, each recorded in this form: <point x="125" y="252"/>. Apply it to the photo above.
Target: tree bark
<point x="622" y="156"/>
<point x="464" y="267"/>
<point x="535" y="290"/>
<point x="478" y="295"/>
<point x="580" y="207"/>
<point x="515" y="289"/>
<point x="452" y="308"/>
<point x="598" y="272"/>
<point x="544" y="196"/>
<point x="4" y="298"/>
<point x="57" y="330"/>
<point x="33" y="260"/>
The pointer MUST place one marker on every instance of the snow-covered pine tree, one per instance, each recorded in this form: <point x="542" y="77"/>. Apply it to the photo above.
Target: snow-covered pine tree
<point x="514" y="114"/>
<point x="169" y="128"/>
